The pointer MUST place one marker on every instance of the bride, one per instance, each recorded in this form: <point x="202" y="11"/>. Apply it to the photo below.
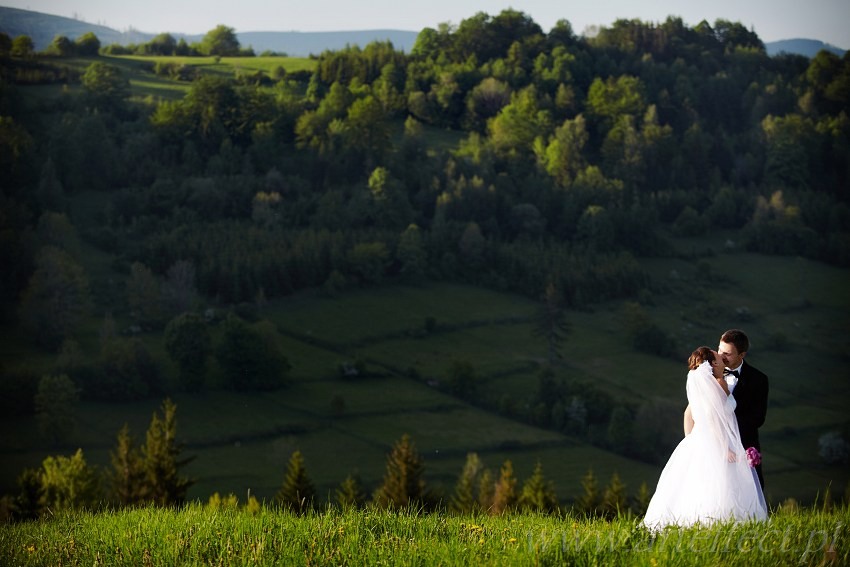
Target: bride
<point x="708" y="477"/>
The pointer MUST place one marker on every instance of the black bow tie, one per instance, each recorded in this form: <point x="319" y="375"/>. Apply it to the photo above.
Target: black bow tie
<point x="734" y="373"/>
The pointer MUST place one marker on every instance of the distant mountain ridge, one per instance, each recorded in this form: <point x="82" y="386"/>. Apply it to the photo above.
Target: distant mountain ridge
<point x="807" y="47"/>
<point x="42" y="28"/>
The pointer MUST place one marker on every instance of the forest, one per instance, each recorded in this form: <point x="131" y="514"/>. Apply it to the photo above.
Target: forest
<point x="494" y="154"/>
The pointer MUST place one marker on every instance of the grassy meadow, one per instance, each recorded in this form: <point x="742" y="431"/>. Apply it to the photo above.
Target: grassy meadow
<point x="202" y="535"/>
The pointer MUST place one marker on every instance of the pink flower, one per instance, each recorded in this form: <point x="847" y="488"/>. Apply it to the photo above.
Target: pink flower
<point x="753" y="456"/>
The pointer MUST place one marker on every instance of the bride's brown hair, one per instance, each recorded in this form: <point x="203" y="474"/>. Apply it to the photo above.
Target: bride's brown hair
<point x="700" y="355"/>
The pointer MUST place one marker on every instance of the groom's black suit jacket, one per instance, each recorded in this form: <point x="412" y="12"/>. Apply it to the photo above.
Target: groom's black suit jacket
<point x="751" y="406"/>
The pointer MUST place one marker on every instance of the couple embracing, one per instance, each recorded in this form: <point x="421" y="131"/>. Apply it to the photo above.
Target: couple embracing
<point x="714" y="474"/>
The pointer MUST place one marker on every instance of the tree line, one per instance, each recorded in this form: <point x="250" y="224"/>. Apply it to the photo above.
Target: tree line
<point x="153" y="474"/>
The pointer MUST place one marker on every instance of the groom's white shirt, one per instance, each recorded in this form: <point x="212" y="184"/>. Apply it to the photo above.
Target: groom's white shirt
<point x="731" y="379"/>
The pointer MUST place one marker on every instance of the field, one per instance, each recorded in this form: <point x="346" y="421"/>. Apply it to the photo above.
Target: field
<point x="242" y="441"/>
<point x="796" y="311"/>
<point x="201" y="535"/>
<point x="146" y="86"/>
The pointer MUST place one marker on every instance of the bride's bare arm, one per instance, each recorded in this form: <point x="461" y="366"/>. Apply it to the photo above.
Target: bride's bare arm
<point x="688" y="421"/>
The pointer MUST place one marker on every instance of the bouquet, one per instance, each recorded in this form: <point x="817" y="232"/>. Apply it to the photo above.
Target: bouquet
<point x="753" y="456"/>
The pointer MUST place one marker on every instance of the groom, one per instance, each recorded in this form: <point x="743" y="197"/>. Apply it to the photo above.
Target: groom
<point x="748" y="385"/>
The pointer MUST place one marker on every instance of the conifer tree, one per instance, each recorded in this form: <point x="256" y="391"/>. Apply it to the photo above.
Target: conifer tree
<point x="614" y="499"/>
<point x="297" y="493"/>
<point x="551" y="323"/>
<point x="403" y="483"/>
<point x="465" y="498"/>
<point x="350" y="493"/>
<point x="504" y="494"/>
<point x="486" y="488"/>
<point x="164" y="485"/>
<point x="588" y="502"/>
<point x="127" y="477"/>
<point x="537" y="493"/>
<point x="641" y="502"/>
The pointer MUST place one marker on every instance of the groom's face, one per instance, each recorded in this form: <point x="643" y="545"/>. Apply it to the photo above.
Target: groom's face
<point x="730" y="355"/>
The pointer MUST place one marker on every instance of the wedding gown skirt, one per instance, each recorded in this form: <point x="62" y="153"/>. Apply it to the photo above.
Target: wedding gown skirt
<point x="700" y="486"/>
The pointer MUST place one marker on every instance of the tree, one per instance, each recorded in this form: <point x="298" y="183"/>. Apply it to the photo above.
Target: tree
<point x="563" y="158"/>
<point x="614" y="499"/>
<point x="411" y="253"/>
<point x="88" y="45"/>
<point x="588" y="502"/>
<point x="55" y="405"/>
<point x="465" y="497"/>
<point x="23" y="47"/>
<point x="127" y="477"/>
<point x="164" y="484"/>
<point x="551" y="322"/>
<point x="221" y="41"/>
<point x="641" y="502"/>
<point x="462" y="379"/>
<point x="504" y="495"/>
<point x="106" y="85"/>
<point x="144" y="295"/>
<point x="620" y="430"/>
<point x="162" y="44"/>
<point x="403" y="482"/>
<point x="297" y="492"/>
<point x="250" y="356"/>
<point x="68" y="483"/>
<point x="128" y="371"/>
<point x="178" y="290"/>
<point x="61" y="46"/>
<point x="515" y="128"/>
<point x="56" y="300"/>
<point x="537" y="493"/>
<point x="350" y="493"/>
<point x="188" y="342"/>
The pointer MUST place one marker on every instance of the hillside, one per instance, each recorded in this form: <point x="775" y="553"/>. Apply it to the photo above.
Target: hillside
<point x="506" y="243"/>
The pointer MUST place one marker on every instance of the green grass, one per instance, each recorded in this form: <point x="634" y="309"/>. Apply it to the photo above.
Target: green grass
<point x="202" y="535"/>
<point x="145" y="86"/>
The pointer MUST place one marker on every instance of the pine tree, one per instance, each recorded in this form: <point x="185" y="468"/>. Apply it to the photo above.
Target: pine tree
<point x="350" y="493"/>
<point x="641" y="502"/>
<point x="538" y="493"/>
<point x="465" y="497"/>
<point x="486" y="489"/>
<point x="504" y="494"/>
<point x="551" y="323"/>
<point x="164" y="485"/>
<point x="297" y="493"/>
<point x="588" y="502"/>
<point x="403" y="483"/>
<point x="127" y="477"/>
<point x="614" y="499"/>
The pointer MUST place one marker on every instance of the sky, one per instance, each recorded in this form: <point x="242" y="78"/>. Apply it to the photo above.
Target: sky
<point x="772" y="20"/>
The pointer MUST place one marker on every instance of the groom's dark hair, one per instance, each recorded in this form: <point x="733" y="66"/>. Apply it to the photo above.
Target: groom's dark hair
<point x="738" y="338"/>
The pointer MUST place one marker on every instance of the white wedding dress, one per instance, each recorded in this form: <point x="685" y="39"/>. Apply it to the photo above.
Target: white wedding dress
<point x="698" y="484"/>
